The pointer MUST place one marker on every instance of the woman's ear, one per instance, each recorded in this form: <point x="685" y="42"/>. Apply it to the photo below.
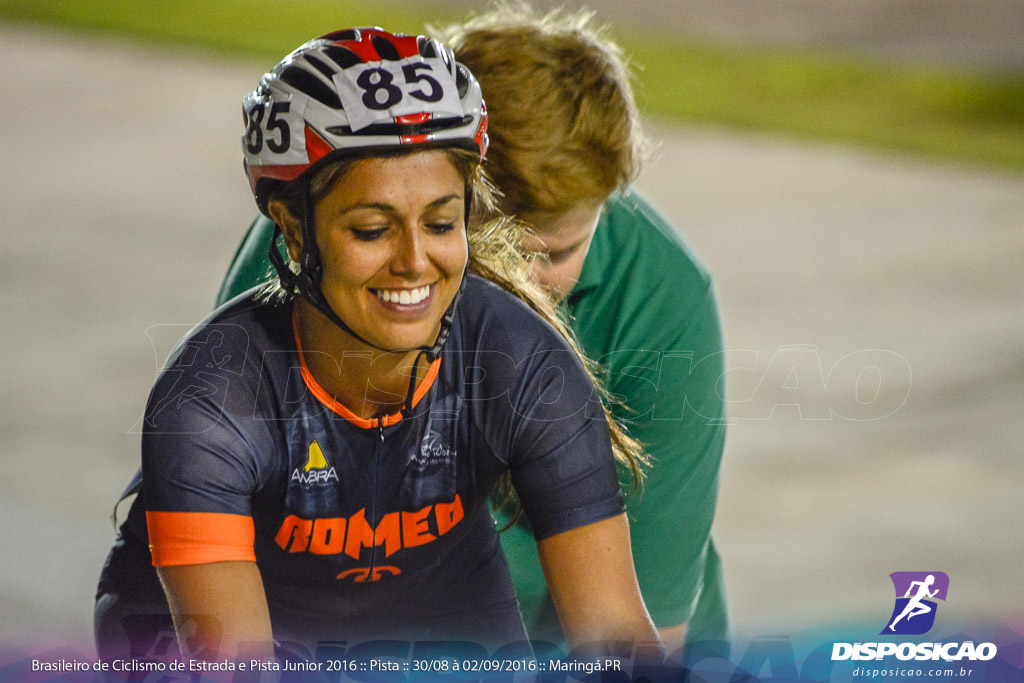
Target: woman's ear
<point x="290" y="226"/>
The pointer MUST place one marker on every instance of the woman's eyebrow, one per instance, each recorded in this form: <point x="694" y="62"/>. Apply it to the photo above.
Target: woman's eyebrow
<point x="377" y="206"/>
<point x="441" y="201"/>
<point x="389" y="208"/>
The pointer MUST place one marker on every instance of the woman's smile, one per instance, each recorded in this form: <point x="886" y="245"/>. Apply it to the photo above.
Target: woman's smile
<point x="404" y="300"/>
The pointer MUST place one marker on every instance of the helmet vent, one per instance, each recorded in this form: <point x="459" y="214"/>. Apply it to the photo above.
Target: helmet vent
<point x="385" y="48"/>
<point x="307" y="83"/>
<point x="430" y="126"/>
<point x="426" y="47"/>
<point x="462" y="80"/>
<point x="338" y="36"/>
<point x="342" y="56"/>
<point x="320" y="66"/>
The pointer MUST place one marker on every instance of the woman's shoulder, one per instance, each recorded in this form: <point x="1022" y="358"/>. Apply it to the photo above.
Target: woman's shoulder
<point x="518" y="351"/>
<point x="220" y="361"/>
<point x="239" y="327"/>
<point x="492" y="316"/>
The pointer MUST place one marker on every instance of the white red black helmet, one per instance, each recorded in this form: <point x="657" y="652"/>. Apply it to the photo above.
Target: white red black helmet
<point x="357" y="90"/>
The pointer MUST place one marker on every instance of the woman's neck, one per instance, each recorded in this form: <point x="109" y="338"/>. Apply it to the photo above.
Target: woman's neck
<point x="367" y="381"/>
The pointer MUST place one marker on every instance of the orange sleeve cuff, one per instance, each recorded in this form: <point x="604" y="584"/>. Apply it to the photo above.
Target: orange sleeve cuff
<point x="177" y="538"/>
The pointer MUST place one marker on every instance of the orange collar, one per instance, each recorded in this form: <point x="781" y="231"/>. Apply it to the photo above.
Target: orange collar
<point x="329" y="401"/>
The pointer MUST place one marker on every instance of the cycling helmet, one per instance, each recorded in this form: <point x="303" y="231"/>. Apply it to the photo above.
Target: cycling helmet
<point x="355" y="91"/>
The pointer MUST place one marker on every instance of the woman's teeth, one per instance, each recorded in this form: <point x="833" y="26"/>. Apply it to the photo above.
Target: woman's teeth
<point x="405" y="297"/>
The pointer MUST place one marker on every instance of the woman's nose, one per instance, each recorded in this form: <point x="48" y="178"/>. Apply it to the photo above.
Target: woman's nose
<point x="410" y="257"/>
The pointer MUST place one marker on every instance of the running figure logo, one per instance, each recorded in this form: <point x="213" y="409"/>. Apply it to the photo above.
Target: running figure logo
<point x="914" y="612"/>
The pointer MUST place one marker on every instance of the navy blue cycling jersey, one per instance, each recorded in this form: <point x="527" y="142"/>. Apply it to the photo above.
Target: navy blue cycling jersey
<point x="364" y="529"/>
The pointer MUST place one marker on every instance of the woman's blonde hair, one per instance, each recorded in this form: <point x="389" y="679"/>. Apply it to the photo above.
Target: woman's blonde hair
<point x="495" y="254"/>
<point x="563" y="123"/>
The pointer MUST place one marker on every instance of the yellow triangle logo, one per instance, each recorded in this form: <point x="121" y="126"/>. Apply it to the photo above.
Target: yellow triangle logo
<point x="316" y="461"/>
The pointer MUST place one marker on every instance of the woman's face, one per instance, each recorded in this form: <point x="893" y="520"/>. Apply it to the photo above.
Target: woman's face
<point x="564" y="237"/>
<point x="393" y="247"/>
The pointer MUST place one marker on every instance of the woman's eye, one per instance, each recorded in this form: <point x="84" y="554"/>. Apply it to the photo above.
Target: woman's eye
<point x="441" y="228"/>
<point x="559" y="256"/>
<point x="368" y="233"/>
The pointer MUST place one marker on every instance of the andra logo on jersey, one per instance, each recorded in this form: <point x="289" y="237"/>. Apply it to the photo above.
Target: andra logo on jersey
<point x="916" y="593"/>
<point x="316" y="470"/>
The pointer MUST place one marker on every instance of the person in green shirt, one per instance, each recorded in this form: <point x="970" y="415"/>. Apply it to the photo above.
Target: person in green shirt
<point x="565" y="146"/>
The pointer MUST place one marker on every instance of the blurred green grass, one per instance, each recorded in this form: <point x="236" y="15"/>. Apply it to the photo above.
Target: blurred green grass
<point x="955" y="115"/>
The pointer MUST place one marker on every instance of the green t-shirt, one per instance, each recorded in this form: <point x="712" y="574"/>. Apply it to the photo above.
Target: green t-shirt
<point x="645" y="309"/>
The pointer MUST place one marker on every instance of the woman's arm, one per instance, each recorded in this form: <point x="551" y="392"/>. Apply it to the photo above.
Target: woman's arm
<point x="673" y="638"/>
<point x="590" y="575"/>
<point x="220" y="610"/>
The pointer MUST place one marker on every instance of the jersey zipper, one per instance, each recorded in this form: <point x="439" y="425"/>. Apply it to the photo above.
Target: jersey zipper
<point x="376" y="492"/>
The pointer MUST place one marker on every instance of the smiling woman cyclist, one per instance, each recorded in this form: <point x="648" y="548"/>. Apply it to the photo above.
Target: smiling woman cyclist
<point x="317" y="458"/>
